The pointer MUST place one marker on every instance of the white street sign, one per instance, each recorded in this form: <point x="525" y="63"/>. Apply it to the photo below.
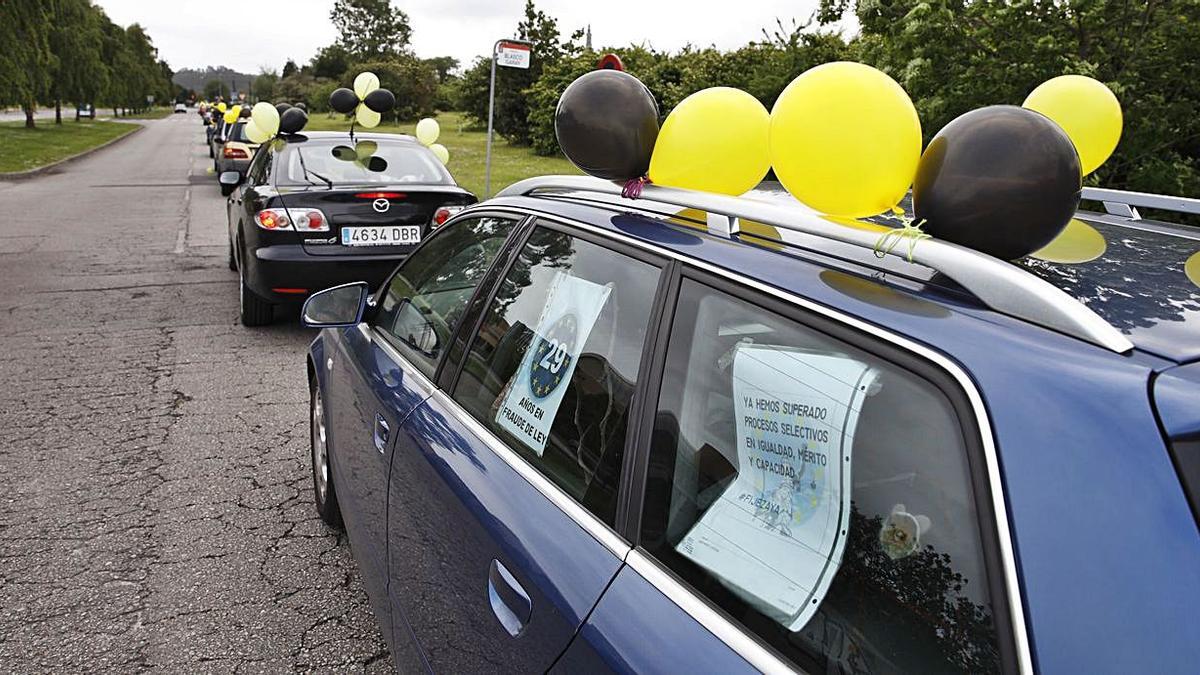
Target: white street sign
<point x="513" y="55"/>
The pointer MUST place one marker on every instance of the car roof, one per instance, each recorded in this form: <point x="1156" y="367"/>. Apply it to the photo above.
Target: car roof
<point x="1158" y="310"/>
<point x="344" y="136"/>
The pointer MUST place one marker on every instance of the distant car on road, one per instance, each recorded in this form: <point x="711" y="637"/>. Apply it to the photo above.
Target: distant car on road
<point x="320" y="209"/>
<point x="694" y="433"/>
<point x="181" y="107"/>
<point x="85" y="110"/>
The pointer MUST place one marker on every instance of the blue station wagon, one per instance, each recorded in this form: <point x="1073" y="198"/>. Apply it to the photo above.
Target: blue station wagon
<point x="691" y="433"/>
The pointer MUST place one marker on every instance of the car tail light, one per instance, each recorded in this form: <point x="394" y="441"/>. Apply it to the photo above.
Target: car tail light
<point x="443" y="214"/>
<point x="296" y="219"/>
<point x="380" y="195"/>
<point x="234" y="153"/>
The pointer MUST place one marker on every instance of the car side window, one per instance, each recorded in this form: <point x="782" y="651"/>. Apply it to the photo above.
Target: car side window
<point x="554" y="365"/>
<point x="428" y="294"/>
<point x="261" y="167"/>
<point x="818" y="494"/>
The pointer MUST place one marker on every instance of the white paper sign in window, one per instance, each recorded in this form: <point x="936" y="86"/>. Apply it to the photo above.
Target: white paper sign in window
<point x="776" y="534"/>
<point x="532" y="397"/>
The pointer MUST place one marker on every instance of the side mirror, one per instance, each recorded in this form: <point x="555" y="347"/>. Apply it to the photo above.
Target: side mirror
<point x="336" y="307"/>
<point x="229" y="180"/>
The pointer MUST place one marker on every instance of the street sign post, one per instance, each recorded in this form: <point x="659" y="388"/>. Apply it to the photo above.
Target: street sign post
<point x="510" y="54"/>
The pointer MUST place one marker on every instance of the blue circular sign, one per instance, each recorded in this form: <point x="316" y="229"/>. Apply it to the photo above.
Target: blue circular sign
<point x="552" y="356"/>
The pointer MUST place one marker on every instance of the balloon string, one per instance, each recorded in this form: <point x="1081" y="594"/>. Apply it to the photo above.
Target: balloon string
<point x="909" y="231"/>
<point x="633" y="187"/>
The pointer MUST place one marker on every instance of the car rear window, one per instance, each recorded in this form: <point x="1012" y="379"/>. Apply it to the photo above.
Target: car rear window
<point x="343" y="161"/>
<point x="238" y="133"/>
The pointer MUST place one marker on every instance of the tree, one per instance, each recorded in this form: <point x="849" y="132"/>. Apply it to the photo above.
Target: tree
<point x="331" y="62"/>
<point x="214" y="88"/>
<point x="26" y="60"/>
<point x="412" y="81"/>
<point x="370" y="29"/>
<point x="79" y="73"/>
<point x="953" y="56"/>
<point x="443" y="67"/>
<point x="290" y="68"/>
<point x="264" y="85"/>
<point x="512" y="104"/>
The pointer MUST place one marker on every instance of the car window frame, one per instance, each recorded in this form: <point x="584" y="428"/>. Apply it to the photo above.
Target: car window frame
<point x="374" y="331"/>
<point x="667" y="272"/>
<point x="991" y="507"/>
<point x="783" y="304"/>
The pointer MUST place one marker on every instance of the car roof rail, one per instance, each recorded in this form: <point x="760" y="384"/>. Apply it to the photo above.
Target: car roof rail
<point x="1124" y="203"/>
<point x="1000" y="285"/>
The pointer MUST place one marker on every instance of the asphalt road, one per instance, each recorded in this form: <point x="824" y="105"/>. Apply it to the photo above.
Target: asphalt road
<point x="155" y="495"/>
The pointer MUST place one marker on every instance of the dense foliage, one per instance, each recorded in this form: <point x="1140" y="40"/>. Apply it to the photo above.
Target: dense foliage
<point x="58" y="51"/>
<point x="952" y="56"/>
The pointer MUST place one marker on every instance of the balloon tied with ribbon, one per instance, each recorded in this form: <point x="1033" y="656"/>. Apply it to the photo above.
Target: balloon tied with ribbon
<point x="367" y="101"/>
<point x="909" y="231"/>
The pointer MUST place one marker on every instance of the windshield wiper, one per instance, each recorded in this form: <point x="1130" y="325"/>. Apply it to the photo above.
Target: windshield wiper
<point x="308" y="173"/>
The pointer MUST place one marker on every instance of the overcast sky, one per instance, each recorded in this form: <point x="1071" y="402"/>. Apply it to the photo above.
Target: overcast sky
<point x="250" y="36"/>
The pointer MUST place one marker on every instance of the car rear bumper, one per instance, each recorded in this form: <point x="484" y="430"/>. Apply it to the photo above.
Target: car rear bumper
<point x="238" y="165"/>
<point x="287" y="266"/>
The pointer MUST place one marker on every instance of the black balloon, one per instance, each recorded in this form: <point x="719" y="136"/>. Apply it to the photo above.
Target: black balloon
<point x="343" y="100"/>
<point x="1002" y="180"/>
<point x="380" y="100"/>
<point x="245" y="111"/>
<point x="281" y="107"/>
<point x="303" y="106"/>
<point x="606" y="124"/>
<point x="292" y="120"/>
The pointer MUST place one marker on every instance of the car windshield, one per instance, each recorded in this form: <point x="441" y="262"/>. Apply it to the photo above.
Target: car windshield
<point x="238" y="133"/>
<point x="342" y="161"/>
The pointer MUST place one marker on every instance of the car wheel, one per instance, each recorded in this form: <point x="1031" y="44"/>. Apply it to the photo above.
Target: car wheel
<point x="323" y="493"/>
<point x="254" y="310"/>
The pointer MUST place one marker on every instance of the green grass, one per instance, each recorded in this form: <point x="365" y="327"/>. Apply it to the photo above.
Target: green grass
<point x="23" y="149"/>
<point x="468" y="151"/>
<point x="153" y="113"/>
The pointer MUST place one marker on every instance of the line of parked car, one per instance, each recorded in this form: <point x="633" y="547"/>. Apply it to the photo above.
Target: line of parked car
<point x="570" y="431"/>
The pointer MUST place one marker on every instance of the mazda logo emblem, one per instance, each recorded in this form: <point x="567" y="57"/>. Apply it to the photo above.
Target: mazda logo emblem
<point x="381" y="205"/>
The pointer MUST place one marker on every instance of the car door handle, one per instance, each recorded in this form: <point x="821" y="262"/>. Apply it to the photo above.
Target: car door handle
<point x="381" y="433"/>
<point x="510" y="603"/>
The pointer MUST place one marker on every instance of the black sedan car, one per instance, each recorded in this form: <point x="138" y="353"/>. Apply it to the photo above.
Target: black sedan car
<point x="321" y="209"/>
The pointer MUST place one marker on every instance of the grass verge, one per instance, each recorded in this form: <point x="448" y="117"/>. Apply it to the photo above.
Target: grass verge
<point x="154" y="114"/>
<point x="24" y="149"/>
<point x="468" y="151"/>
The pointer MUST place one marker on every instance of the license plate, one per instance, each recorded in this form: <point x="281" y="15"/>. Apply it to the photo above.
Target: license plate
<point x="387" y="235"/>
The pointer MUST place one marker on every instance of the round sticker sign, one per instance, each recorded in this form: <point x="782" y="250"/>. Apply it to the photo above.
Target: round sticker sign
<point x="552" y="356"/>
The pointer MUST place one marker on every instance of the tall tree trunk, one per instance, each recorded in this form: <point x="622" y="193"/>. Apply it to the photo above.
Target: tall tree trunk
<point x="58" y="111"/>
<point x="29" y="115"/>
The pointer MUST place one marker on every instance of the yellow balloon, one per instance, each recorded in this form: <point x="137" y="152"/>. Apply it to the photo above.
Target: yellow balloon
<point x="440" y="152"/>
<point x="365" y="83"/>
<point x="1192" y="268"/>
<point x="1087" y="110"/>
<point x="366" y="117"/>
<point x="221" y="107"/>
<point x="845" y="139"/>
<point x="716" y="140"/>
<point x="255" y="133"/>
<point x="1077" y="243"/>
<point x="428" y="131"/>
<point x="266" y="117"/>
<point x="233" y="114"/>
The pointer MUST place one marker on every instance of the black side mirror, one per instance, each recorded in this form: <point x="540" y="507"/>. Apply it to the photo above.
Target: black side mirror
<point x="336" y="307"/>
<point x="229" y="180"/>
